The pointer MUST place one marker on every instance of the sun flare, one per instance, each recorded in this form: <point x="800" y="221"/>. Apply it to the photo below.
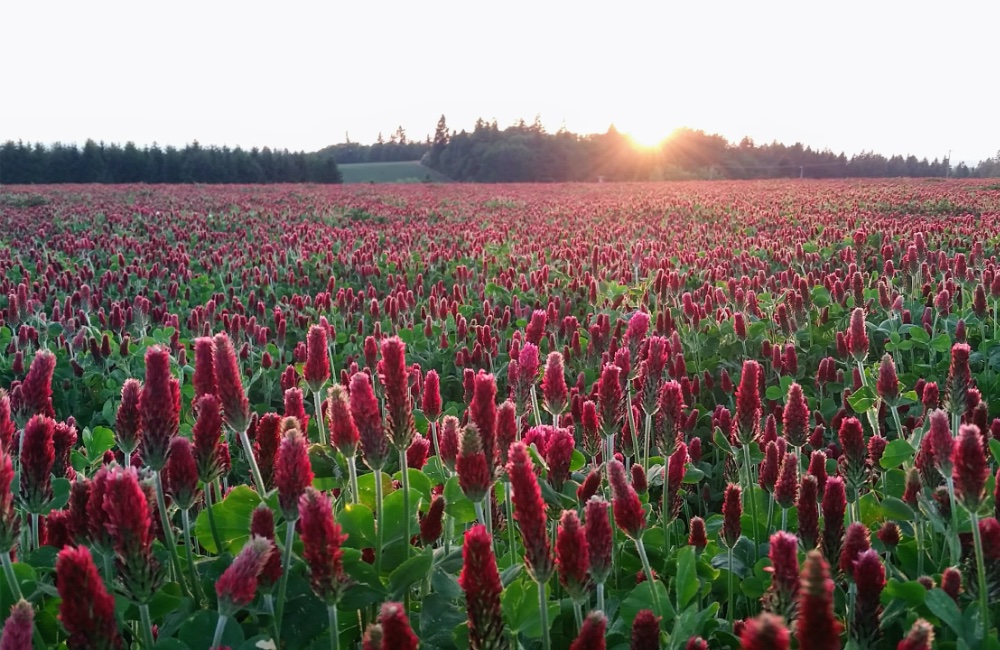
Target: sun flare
<point x="648" y="137"/>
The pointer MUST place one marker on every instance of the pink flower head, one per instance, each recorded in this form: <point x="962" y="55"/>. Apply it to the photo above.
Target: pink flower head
<point x="474" y="474"/>
<point x="87" y="610"/>
<point x="128" y="420"/>
<point x="536" y="327"/>
<point x="697" y="536"/>
<point x="817" y="626"/>
<point x="920" y="636"/>
<point x="294" y="407"/>
<point x="36" y="389"/>
<point x="396" y="631"/>
<point x="959" y="378"/>
<point x="748" y="404"/>
<point x="206" y="436"/>
<point x="343" y="432"/>
<point x="970" y="470"/>
<point x="857" y="336"/>
<point x="292" y="473"/>
<point x="368" y="419"/>
<point x="237" y="586"/>
<point x="599" y="540"/>
<point x="431" y="396"/>
<point x="559" y="455"/>
<point x="530" y="513"/>
<point x="236" y="408"/>
<point x="591" y="635"/>
<point x="19" y="627"/>
<point x="395" y="380"/>
<point x="628" y="511"/>
<point x="204" y="368"/>
<point x="573" y="556"/>
<point x="888" y="383"/>
<point x="480" y="581"/>
<point x="321" y="541"/>
<point x="159" y="408"/>
<point x="765" y="632"/>
<point x="317" y="368"/>
<point x="554" y="388"/>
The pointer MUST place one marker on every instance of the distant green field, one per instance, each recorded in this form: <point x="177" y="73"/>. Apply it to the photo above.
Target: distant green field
<point x="390" y="172"/>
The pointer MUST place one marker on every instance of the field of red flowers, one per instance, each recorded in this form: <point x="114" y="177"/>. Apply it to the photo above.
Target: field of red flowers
<point x="684" y="416"/>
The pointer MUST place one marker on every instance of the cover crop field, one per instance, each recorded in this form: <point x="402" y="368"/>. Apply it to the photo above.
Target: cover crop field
<point x="686" y="416"/>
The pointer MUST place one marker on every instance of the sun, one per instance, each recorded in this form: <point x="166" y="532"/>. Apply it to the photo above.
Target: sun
<point x="646" y="137"/>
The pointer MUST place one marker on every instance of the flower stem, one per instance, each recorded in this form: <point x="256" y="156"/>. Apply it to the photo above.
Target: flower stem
<point x="648" y="570"/>
<point x="751" y="496"/>
<point x="168" y="532"/>
<point x="285" y="565"/>
<point x="352" y="470"/>
<point x="406" y="503"/>
<point x="378" y="522"/>
<point x="984" y="603"/>
<point x="543" y="611"/>
<point x="600" y="596"/>
<point x="318" y="409"/>
<point x="534" y="407"/>
<point x="209" y="488"/>
<point x="147" y="627"/>
<point x="334" y="628"/>
<point x="730" y="609"/>
<point x="258" y="480"/>
<point x="188" y="544"/>
<point x="8" y="569"/>
<point x="953" y="543"/>
<point x="220" y="627"/>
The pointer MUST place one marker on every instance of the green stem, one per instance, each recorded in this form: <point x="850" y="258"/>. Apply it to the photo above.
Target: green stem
<point x="285" y="567"/>
<point x="543" y="611"/>
<point x="209" y="488"/>
<point x="35" y="538"/>
<point x="648" y="570"/>
<point x="534" y="407"/>
<point x="168" y="533"/>
<point x="953" y="538"/>
<point x="406" y="504"/>
<point x="8" y="569"/>
<point x="578" y="614"/>
<point x="318" y="409"/>
<point x="647" y="432"/>
<point x="352" y="470"/>
<point x="600" y="596"/>
<point x="334" y="628"/>
<point x="751" y="496"/>
<point x="147" y="628"/>
<point x="188" y="545"/>
<point x="220" y="627"/>
<point x="730" y="609"/>
<point x="984" y="603"/>
<point x="510" y="523"/>
<point x="898" y="422"/>
<point x="378" y="522"/>
<point x="252" y="461"/>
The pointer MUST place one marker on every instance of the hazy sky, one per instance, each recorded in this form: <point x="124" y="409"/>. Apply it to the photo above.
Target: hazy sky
<point x="894" y="77"/>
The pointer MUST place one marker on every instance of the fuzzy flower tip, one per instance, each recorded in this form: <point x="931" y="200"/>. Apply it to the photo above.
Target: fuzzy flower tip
<point x="394" y="376"/>
<point x="481" y="583"/>
<point x="599" y="539"/>
<point x="321" y="541"/>
<point x="591" y="635"/>
<point x="293" y="473"/>
<point x="159" y="408"/>
<point x="766" y="632"/>
<point x="645" y="631"/>
<point x="554" y="388"/>
<point x="18" y="629"/>
<point x="237" y="586"/>
<point x="817" y="627"/>
<point x="474" y="475"/>
<point x="969" y="467"/>
<point x="396" y="631"/>
<point x="317" y="368"/>
<point x="206" y="436"/>
<point x="204" y="367"/>
<point x="368" y="419"/>
<point x="127" y="419"/>
<point x="748" y="403"/>
<point x="628" y="511"/>
<point x="87" y="611"/>
<point x="262" y="525"/>
<point x="36" y="389"/>
<point x="38" y="455"/>
<point x="530" y="512"/>
<point x="343" y="431"/>
<point x="235" y="406"/>
<point x="732" y="510"/>
<point x="920" y="637"/>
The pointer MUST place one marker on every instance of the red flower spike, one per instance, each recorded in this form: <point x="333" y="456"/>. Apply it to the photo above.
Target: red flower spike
<point x="87" y="610"/>
<point x="834" y="509"/>
<point x="38" y="455"/>
<point x="856" y="541"/>
<point x="450" y="441"/>
<point x="765" y="632"/>
<point x="206" y="437"/>
<point x="889" y="534"/>
<point x="748" y="404"/>
<point x="506" y="431"/>
<point x="204" y="379"/>
<point x="368" y="419"/>
<point x="159" y="408"/>
<point x="769" y="467"/>
<point x="784" y="556"/>
<point x="294" y="407"/>
<point x="888" y="383"/>
<point x="554" y="389"/>
<point x="181" y="474"/>
<point x="558" y="456"/>
<point x="795" y="417"/>
<point x="235" y="407"/>
<point x="732" y="510"/>
<point x="19" y="627"/>
<point x="317" y="368"/>
<point x="787" y="487"/>
<point x="817" y="627"/>
<point x="591" y="635"/>
<point x="628" y="511"/>
<point x="474" y="474"/>
<point x="36" y="389"/>
<point x="599" y="541"/>
<point x="869" y="578"/>
<point x="416" y="453"/>
<point x="951" y="582"/>
<point x="530" y="513"/>
<point x="645" y="631"/>
<point x="940" y="442"/>
<point x="676" y="468"/>
<point x="292" y="472"/>
<point x="959" y="379"/>
<point x="395" y="381"/>
<point x="321" y="541"/>
<point x="573" y="556"/>
<point x="590" y="486"/>
<point x="431" y="397"/>
<point x="970" y="470"/>
<point x="343" y="432"/>
<point x="262" y="525"/>
<point x="128" y="421"/>
<point x="480" y="581"/>
<point x="857" y="336"/>
<point x="10" y="519"/>
<point x="697" y="536"/>
<point x="639" y="482"/>
<point x="396" y="631"/>
<point x="483" y="412"/>
<point x="431" y="524"/>
<point x="237" y="586"/>
<point x="920" y="636"/>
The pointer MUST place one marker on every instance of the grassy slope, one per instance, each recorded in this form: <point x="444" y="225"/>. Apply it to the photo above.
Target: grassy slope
<point x="390" y="172"/>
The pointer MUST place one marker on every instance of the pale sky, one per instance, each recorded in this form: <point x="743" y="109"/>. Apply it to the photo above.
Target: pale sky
<point x="893" y="77"/>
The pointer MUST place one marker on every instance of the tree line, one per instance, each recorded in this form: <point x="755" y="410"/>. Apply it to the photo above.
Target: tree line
<point x="526" y="152"/>
<point x="398" y="148"/>
<point x="22" y="163"/>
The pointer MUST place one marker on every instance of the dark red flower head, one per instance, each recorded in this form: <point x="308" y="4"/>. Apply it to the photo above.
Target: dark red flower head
<point x="483" y="413"/>
<point x="765" y="632"/>
<point x="450" y="441"/>
<point x="237" y="586"/>
<point x="321" y="541"/>
<point x="970" y="470"/>
<point x="38" y="455"/>
<point x="235" y="407"/>
<point x="748" y="404"/>
<point x="590" y="486"/>
<point x="795" y="418"/>
<point x="559" y="455"/>
<point x="628" y="511"/>
<point x="36" y="389"/>
<point x="206" y="436"/>
<point x="869" y="578"/>
<point x="834" y="509"/>
<point x="474" y="474"/>
<point x="732" y="510"/>
<point x="808" y="512"/>
<point x="204" y="367"/>
<point x="888" y="384"/>
<point x="317" y="368"/>
<point x="506" y="431"/>
<point x="573" y="556"/>
<point x="159" y="408"/>
<point x="368" y="419"/>
<point x="431" y="397"/>
<point x="959" y="378"/>
<point x="430" y="525"/>
<point x="262" y="525"/>
<point x="817" y="627"/>
<point x="697" y="536"/>
<point x="394" y="376"/>
<point x="294" y="407"/>
<point x="181" y="474"/>
<point x="951" y="582"/>
<point x="292" y="472"/>
<point x="787" y="487"/>
<point x="856" y="541"/>
<point x="940" y="442"/>
<point x="857" y="335"/>
<point x="591" y="635"/>
<point x="343" y="432"/>
<point x="598" y="530"/>
<point x="920" y="636"/>
<point x="554" y="388"/>
<point x="128" y="420"/>
<point x="396" y="631"/>
<point x="889" y="534"/>
<point x="481" y="583"/>
<point x="645" y="631"/>
<point x="676" y="468"/>
<point x="530" y="513"/>
<point x="87" y="610"/>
